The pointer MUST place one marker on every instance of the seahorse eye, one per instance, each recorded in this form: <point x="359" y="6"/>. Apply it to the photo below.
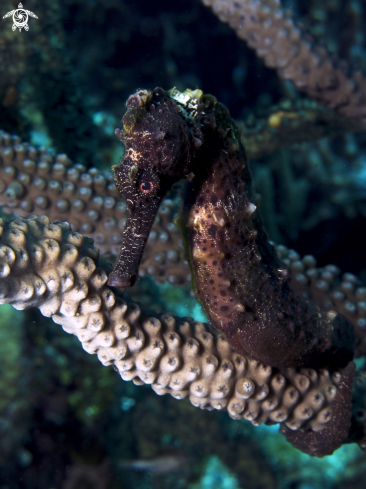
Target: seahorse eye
<point x="146" y="187"/>
<point x="149" y="183"/>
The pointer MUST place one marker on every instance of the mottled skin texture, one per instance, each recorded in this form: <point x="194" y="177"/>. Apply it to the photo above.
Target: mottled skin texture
<point x="242" y="285"/>
<point x="157" y="154"/>
<point x="240" y="282"/>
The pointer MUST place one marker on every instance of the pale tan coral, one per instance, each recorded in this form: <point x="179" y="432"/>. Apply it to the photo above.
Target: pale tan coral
<point x="272" y="32"/>
<point x="57" y="270"/>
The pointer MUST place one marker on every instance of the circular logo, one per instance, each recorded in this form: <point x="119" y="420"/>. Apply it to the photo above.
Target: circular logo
<point x="20" y="19"/>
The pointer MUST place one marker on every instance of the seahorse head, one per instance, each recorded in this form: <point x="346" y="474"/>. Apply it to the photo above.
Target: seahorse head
<point x="157" y="154"/>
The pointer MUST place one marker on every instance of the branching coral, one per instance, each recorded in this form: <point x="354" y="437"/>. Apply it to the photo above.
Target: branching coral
<point x="154" y="350"/>
<point x="272" y="32"/>
<point x="57" y="270"/>
<point x="292" y="122"/>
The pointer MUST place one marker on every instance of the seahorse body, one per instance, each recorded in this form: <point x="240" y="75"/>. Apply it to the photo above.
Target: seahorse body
<point x="237" y="276"/>
<point x="240" y="282"/>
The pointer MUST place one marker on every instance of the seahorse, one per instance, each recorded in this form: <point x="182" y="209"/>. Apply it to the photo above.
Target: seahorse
<point x="241" y="284"/>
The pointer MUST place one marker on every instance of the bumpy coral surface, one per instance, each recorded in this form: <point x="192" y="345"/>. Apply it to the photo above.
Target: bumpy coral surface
<point x="274" y="35"/>
<point x="57" y="270"/>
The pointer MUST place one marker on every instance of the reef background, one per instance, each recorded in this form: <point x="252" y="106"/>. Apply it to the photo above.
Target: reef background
<point x="65" y="421"/>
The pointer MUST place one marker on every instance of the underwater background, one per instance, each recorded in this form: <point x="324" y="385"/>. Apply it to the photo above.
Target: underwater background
<point x="66" y="422"/>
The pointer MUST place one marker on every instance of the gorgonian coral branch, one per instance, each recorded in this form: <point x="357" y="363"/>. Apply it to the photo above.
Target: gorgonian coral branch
<point x="271" y="31"/>
<point x="57" y="270"/>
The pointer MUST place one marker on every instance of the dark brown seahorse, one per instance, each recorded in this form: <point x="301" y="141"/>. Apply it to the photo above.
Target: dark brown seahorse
<point x="241" y="284"/>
